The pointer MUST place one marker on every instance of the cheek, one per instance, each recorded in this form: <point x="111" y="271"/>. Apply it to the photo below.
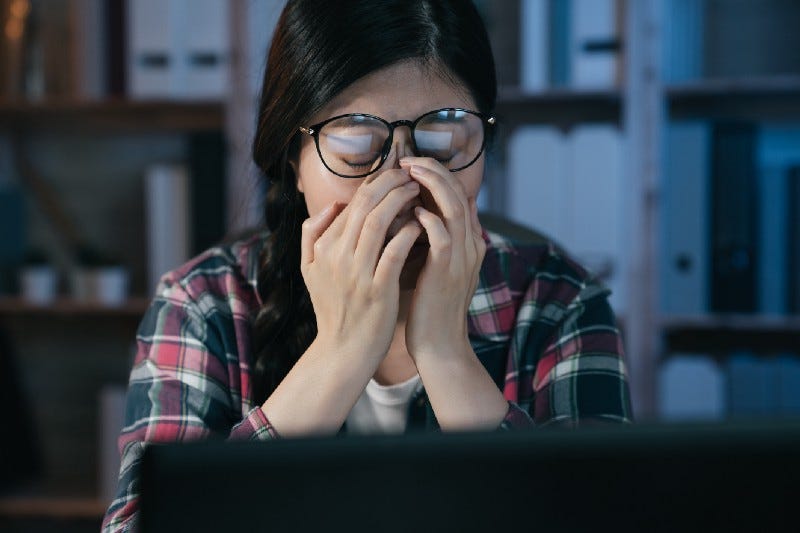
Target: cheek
<point x="472" y="178"/>
<point x="319" y="186"/>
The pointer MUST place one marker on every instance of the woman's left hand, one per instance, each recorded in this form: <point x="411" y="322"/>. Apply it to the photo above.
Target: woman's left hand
<point x="437" y="320"/>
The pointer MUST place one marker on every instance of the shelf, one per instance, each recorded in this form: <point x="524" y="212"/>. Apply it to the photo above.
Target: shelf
<point x="133" y="308"/>
<point x="561" y="107"/>
<point x="112" y="116"/>
<point x="773" y="98"/>
<point x="52" y="507"/>
<point x="718" y="334"/>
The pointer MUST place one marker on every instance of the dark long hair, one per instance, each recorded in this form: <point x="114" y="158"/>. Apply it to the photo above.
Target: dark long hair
<point x="319" y="48"/>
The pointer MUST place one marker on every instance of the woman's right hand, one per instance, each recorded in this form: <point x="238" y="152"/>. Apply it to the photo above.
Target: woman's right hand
<point x="353" y="280"/>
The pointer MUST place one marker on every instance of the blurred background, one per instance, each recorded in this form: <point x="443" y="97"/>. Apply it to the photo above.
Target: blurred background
<point x="658" y="141"/>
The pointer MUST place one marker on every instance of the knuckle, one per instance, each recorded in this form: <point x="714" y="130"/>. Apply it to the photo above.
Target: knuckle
<point x="375" y="221"/>
<point x="367" y="196"/>
<point x="392" y="256"/>
<point x="445" y="244"/>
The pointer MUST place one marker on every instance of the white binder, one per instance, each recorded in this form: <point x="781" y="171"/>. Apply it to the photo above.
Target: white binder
<point x="167" y="212"/>
<point x="178" y="49"/>
<point x="535" y="46"/>
<point x="691" y="387"/>
<point x="593" y="22"/>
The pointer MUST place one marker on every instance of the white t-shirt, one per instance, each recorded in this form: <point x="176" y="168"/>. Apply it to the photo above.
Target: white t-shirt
<point x="383" y="408"/>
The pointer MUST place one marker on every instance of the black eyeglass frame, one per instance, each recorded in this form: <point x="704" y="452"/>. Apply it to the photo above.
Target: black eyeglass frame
<point x="487" y="121"/>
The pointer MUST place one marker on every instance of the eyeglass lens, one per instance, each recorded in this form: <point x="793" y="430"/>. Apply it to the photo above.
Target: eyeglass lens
<point x="354" y="145"/>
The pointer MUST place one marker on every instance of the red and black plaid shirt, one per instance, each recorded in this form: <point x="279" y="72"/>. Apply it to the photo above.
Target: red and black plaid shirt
<point x="538" y="322"/>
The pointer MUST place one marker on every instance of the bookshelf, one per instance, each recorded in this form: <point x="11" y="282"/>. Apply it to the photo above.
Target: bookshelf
<point x="764" y="98"/>
<point x="64" y="307"/>
<point x="561" y="107"/>
<point x="65" y="353"/>
<point x="720" y="334"/>
<point x="111" y="116"/>
<point x="645" y="103"/>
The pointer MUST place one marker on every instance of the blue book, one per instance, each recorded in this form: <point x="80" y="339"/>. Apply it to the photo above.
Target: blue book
<point x="787" y="377"/>
<point x="751" y="386"/>
<point x="691" y="387"/>
<point x="12" y="236"/>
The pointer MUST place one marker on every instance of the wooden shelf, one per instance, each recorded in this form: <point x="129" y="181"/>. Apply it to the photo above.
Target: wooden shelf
<point x="133" y="308"/>
<point x="120" y="116"/>
<point x="773" y="98"/>
<point x="560" y="107"/>
<point x="719" y="334"/>
<point x="52" y="507"/>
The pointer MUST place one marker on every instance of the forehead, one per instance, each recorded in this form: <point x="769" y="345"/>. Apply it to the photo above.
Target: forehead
<point x="402" y="91"/>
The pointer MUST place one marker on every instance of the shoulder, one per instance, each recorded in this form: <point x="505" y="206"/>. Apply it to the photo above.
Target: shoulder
<point x="539" y="276"/>
<point x="222" y="277"/>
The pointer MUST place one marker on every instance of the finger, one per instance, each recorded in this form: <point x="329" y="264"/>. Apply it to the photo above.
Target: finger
<point x="376" y="224"/>
<point x="394" y="256"/>
<point x="451" y="203"/>
<point x="473" y="216"/>
<point x="313" y="228"/>
<point x="369" y="195"/>
<point x="439" y="239"/>
<point x="435" y="166"/>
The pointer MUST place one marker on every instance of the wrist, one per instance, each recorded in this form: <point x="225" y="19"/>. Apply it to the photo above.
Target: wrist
<point x="349" y="348"/>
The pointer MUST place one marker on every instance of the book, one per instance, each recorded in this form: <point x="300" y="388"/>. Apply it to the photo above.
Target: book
<point x="536" y="180"/>
<point x="204" y="50"/>
<point x="734" y="218"/>
<point x="111" y="420"/>
<point x="178" y="49"/>
<point x="787" y="371"/>
<point x="691" y="387"/>
<point x="559" y="42"/>
<point x="152" y="48"/>
<point x="167" y="219"/>
<point x="534" y="72"/>
<point x="792" y="299"/>
<point x="88" y="19"/>
<point x="684" y="219"/>
<point x="594" y="44"/>
<point x="778" y="153"/>
<point x="751" y="386"/>
<point x="684" y="31"/>
<point x="569" y="187"/>
<point x="595" y="211"/>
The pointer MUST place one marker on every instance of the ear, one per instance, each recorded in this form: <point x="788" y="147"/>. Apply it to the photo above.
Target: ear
<point x="298" y="181"/>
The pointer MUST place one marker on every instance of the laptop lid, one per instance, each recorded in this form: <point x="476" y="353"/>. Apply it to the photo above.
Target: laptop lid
<point x="635" y="478"/>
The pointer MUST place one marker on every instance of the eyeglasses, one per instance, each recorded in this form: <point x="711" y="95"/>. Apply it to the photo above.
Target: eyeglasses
<point x="356" y="144"/>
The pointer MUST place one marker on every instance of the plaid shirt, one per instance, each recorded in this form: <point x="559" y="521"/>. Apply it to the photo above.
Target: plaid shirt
<point x="538" y="322"/>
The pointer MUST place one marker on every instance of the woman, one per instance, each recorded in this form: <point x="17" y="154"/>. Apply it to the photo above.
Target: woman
<point x="374" y="301"/>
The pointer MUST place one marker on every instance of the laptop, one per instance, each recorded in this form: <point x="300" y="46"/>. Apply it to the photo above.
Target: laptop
<point x="711" y="477"/>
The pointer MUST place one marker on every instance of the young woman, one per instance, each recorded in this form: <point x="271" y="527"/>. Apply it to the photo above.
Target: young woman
<point x="373" y="301"/>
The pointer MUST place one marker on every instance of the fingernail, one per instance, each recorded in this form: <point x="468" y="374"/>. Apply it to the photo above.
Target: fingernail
<point x="411" y="185"/>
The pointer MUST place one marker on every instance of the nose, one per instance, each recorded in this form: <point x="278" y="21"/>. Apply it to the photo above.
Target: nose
<point x="402" y="146"/>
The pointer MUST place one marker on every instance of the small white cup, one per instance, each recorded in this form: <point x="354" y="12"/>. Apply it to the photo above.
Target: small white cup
<point x="38" y="284"/>
<point x="104" y="285"/>
<point x="111" y="285"/>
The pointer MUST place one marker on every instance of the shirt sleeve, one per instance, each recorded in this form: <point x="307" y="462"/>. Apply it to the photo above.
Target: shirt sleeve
<point x="575" y="374"/>
<point x="179" y="390"/>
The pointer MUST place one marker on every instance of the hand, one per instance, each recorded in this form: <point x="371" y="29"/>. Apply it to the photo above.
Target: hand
<point x="437" y="321"/>
<point x="352" y="278"/>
